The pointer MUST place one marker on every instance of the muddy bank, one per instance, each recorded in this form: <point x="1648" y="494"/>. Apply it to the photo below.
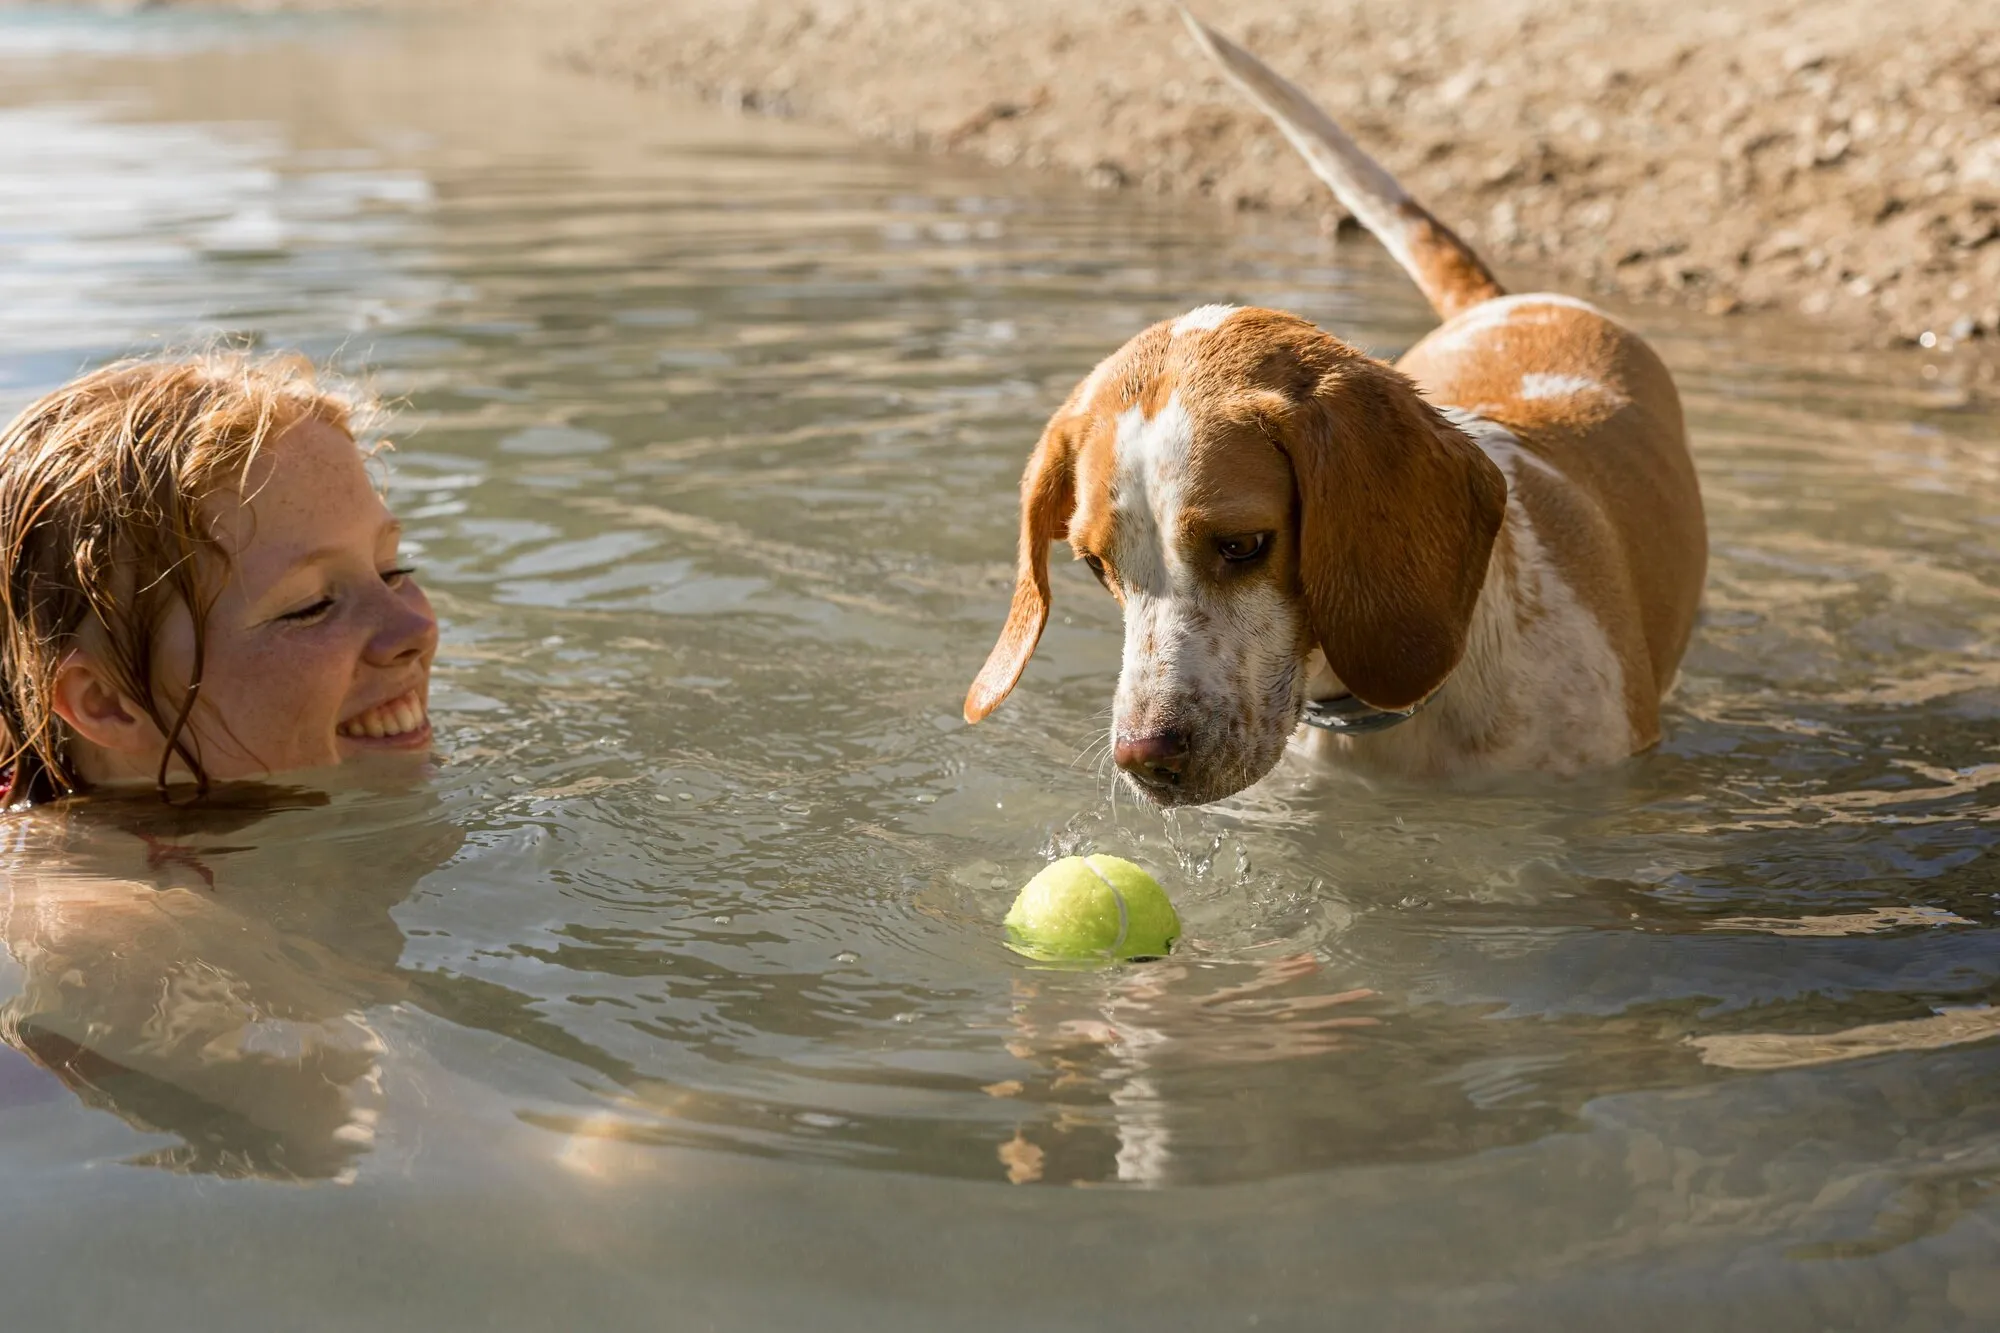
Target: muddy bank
<point x="1838" y="160"/>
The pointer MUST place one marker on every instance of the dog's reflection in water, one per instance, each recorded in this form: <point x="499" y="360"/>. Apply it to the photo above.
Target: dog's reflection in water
<point x="175" y="967"/>
<point x="1102" y="1118"/>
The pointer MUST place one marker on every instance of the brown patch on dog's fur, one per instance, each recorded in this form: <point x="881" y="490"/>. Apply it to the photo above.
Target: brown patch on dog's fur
<point x="1627" y="530"/>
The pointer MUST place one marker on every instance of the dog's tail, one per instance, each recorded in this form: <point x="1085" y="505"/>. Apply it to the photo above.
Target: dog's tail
<point x="1450" y="274"/>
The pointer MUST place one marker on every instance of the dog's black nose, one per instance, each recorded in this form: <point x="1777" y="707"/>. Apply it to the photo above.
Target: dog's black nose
<point x="1155" y="758"/>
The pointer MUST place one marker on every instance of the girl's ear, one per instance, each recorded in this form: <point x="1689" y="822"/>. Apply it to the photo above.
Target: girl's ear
<point x="99" y="713"/>
<point x="1398" y="512"/>
<point x="1048" y="498"/>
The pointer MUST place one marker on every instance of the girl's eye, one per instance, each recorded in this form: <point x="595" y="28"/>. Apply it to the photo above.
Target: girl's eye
<point x="1245" y="546"/>
<point x="307" y="614"/>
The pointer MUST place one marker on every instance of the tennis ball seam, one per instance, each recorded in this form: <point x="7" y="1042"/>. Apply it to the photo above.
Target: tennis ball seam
<point x="1117" y="896"/>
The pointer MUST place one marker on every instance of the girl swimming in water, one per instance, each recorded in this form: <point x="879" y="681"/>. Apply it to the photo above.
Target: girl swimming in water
<point x="199" y="582"/>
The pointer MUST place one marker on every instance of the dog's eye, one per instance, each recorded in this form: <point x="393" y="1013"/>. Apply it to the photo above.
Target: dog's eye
<point x="1097" y="567"/>
<point x="1246" y="546"/>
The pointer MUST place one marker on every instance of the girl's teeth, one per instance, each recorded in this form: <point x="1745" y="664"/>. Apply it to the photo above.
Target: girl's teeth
<point x="392" y="719"/>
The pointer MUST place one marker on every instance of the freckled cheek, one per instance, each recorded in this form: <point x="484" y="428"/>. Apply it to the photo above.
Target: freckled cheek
<point x="1223" y="665"/>
<point x="280" y="700"/>
<point x="1266" y="634"/>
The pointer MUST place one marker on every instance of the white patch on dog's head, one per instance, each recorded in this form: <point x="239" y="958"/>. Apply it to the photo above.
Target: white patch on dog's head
<point x="1202" y="318"/>
<point x="1219" y="663"/>
<point x="1149" y="468"/>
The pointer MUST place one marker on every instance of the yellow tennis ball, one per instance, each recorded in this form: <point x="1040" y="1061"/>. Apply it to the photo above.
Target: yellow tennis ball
<point x="1092" y="907"/>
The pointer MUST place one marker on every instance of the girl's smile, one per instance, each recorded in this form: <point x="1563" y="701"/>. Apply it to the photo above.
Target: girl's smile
<point x="401" y="724"/>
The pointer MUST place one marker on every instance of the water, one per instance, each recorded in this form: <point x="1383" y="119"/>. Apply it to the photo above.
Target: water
<point x="676" y="997"/>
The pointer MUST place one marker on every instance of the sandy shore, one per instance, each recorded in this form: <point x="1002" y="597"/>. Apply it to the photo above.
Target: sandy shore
<point x="1839" y="159"/>
<point x="1836" y="159"/>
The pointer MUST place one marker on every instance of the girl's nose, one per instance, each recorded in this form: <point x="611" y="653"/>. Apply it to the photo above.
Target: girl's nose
<point x="408" y="631"/>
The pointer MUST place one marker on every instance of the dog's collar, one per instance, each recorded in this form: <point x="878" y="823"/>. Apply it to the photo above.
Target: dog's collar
<point x="1348" y="716"/>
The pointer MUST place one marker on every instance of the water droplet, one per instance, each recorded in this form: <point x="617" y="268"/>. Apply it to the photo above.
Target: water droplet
<point x="927" y="798"/>
<point x="687" y="796"/>
<point x="723" y="919"/>
<point x="847" y="956"/>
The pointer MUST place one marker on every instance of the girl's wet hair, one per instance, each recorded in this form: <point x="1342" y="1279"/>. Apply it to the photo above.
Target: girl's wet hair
<point x="102" y="536"/>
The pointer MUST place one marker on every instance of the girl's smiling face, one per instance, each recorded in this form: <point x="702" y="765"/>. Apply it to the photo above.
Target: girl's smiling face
<point x="318" y="645"/>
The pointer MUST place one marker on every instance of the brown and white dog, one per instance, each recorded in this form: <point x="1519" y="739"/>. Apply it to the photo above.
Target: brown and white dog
<point x="1486" y="558"/>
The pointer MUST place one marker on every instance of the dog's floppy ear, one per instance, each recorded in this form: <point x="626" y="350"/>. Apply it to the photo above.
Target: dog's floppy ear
<point x="1048" y="497"/>
<point x="1398" y="511"/>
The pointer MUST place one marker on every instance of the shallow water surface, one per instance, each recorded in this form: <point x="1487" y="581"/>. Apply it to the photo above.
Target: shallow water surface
<point x="677" y="996"/>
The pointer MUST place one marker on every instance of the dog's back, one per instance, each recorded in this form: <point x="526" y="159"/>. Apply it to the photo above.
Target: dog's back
<point x="1589" y="427"/>
<point x="1592" y="403"/>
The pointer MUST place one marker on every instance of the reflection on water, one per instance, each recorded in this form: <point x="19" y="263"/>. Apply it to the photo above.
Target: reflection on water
<point x="686" y="970"/>
<point x="223" y="1012"/>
